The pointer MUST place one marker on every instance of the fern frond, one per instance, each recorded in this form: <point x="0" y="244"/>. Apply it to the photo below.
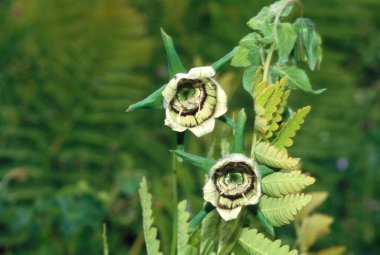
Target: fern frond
<point x="271" y="156"/>
<point x="280" y="211"/>
<point x="317" y="198"/>
<point x="289" y="128"/>
<point x="256" y="244"/>
<point x="281" y="108"/>
<point x="280" y="184"/>
<point x="150" y="233"/>
<point x="312" y="228"/>
<point x="182" y="234"/>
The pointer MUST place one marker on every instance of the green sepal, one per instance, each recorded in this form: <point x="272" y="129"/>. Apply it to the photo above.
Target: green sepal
<point x="196" y="221"/>
<point x="225" y="59"/>
<point x="154" y="100"/>
<point x="228" y="121"/>
<point x="238" y="146"/>
<point x="266" y="224"/>
<point x="174" y="63"/>
<point x="265" y="170"/>
<point x="201" y="162"/>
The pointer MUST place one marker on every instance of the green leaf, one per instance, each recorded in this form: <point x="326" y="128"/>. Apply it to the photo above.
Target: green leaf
<point x="245" y="57"/>
<point x="266" y="224"/>
<point x="314" y="52"/>
<point x="238" y="145"/>
<point x="197" y="219"/>
<point x="209" y="232"/>
<point x="201" y="162"/>
<point x="248" y="76"/>
<point x="317" y="199"/>
<point x="271" y="156"/>
<point x="286" y="36"/>
<point x="289" y="128"/>
<point x="183" y="248"/>
<point x="280" y="184"/>
<point x="298" y="79"/>
<point x="280" y="211"/>
<point x="150" y="233"/>
<point x="226" y="58"/>
<point x="154" y="100"/>
<point x="105" y="241"/>
<point x="264" y="170"/>
<point x="229" y="232"/>
<point x="249" y="41"/>
<point x="174" y="63"/>
<point x="256" y="244"/>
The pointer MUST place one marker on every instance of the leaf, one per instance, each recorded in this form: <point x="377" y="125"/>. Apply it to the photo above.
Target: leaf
<point x="266" y="224"/>
<point x="280" y="184"/>
<point x="209" y="232"/>
<point x="201" y="162"/>
<point x="150" y="233"/>
<point x="264" y="170"/>
<point x="287" y="36"/>
<point x="280" y="211"/>
<point x="229" y="232"/>
<point x="337" y="250"/>
<point x="314" y="52"/>
<point x="298" y="79"/>
<point x="238" y="145"/>
<point x="154" y="100"/>
<point x="174" y="63"/>
<point x="271" y="156"/>
<point x="317" y="199"/>
<point x="182" y="234"/>
<point x="256" y="244"/>
<point x="197" y="219"/>
<point x="245" y="57"/>
<point x="250" y="40"/>
<point x="289" y="128"/>
<point x="312" y="228"/>
<point x="248" y="77"/>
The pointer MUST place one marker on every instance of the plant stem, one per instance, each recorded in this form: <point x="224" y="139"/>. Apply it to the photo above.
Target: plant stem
<point x="267" y="62"/>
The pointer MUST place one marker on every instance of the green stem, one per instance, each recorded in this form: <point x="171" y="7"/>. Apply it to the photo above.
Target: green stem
<point x="254" y="141"/>
<point x="267" y="62"/>
<point x="228" y="121"/>
<point x="218" y="64"/>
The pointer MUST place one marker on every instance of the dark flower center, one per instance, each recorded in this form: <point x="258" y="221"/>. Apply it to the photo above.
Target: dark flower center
<point x="235" y="177"/>
<point x="185" y="91"/>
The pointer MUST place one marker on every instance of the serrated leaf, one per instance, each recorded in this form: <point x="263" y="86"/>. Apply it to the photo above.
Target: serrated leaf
<point x="280" y="211"/>
<point x="209" y="232"/>
<point x="183" y="248"/>
<point x="245" y="57"/>
<point x="174" y="63"/>
<point x="337" y="250"/>
<point x="271" y="156"/>
<point x="298" y="79"/>
<point x="150" y="232"/>
<point x="289" y="128"/>
<point x="287" y="36"/>
<point x="154" y="100"/>
<point x="317" y="199"/>
<point x="256" y="244"/>
<point x="280" y="184"/>
<point x="312" y="228"/>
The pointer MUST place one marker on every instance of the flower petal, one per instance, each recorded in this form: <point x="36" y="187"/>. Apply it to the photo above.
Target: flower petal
<point x="204" y="128"/>
<point x="169" y="121"/>
<point x="210" y="194"/>
<point x="221" y="102"/>
<point x="227" y="214"/>
<point x="201" y="72"/>
<point x="171" y="89"/>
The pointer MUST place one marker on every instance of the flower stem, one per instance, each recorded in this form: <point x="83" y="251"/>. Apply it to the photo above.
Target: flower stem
<point x="268" y="60"/>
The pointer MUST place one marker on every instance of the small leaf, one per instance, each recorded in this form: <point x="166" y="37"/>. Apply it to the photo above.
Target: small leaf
<point x="280" y="211"/>
<point x="245" y="57"/>
<point x="248" y="77"/>
<point x="201" y="162"/>
<point x="280" y="184"/>
<point x="289" y="128"/>
<point x="238" y="145"/>
<point x="174" y="63"/>
<point x="287" y="37"/>
<point x="154" y="100"/>
<point x="250" y="40"/>
<point x="150" y="233"/>
<point x="266" y="224"/>
<point x="256" y="244"/>
<point x="183" y="248"/>
<point x="271" y="156"/>
<point x="312" y="228"/>
<point x="298" y="79"/>
<point x="317" y="199"/>
<point x="264" y="170"/>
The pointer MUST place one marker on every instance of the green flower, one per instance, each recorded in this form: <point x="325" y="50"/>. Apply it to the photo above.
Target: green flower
<point x="234" y="181"/>
<point x="193" y="100"/>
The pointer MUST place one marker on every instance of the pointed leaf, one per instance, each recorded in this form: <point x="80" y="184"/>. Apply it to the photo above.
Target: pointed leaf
<point x="264" y="170"/>
<point x="201" y="162"/>
<point x="287" y="37"/>
<point x="256" y="244"/>
<point x="266" y="224"/>
<point x="238" y="146"/>
<point x="197" y="219"/>
<point x="280" y="211"/>
<point x="245" y="57"/>
<point x="280" y="184"/>
<point x="271" y="156"/>
<point x="289" y="128"/>
<point x="154" y="100"/>
<point x="174" y="63"/>
<point x="150" y="233"/>
<point x="317" y="199"/>
<point x="298" y="79"/>
<point x="248" y="76"/>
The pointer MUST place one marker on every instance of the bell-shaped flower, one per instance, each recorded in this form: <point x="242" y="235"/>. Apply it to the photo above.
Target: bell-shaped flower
<point x="193" y="100"/>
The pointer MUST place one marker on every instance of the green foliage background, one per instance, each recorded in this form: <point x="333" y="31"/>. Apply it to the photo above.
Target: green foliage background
<point x="71" y="158"/>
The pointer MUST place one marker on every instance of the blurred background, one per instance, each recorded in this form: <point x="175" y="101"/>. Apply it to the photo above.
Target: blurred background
<point x="71" y="158"/>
